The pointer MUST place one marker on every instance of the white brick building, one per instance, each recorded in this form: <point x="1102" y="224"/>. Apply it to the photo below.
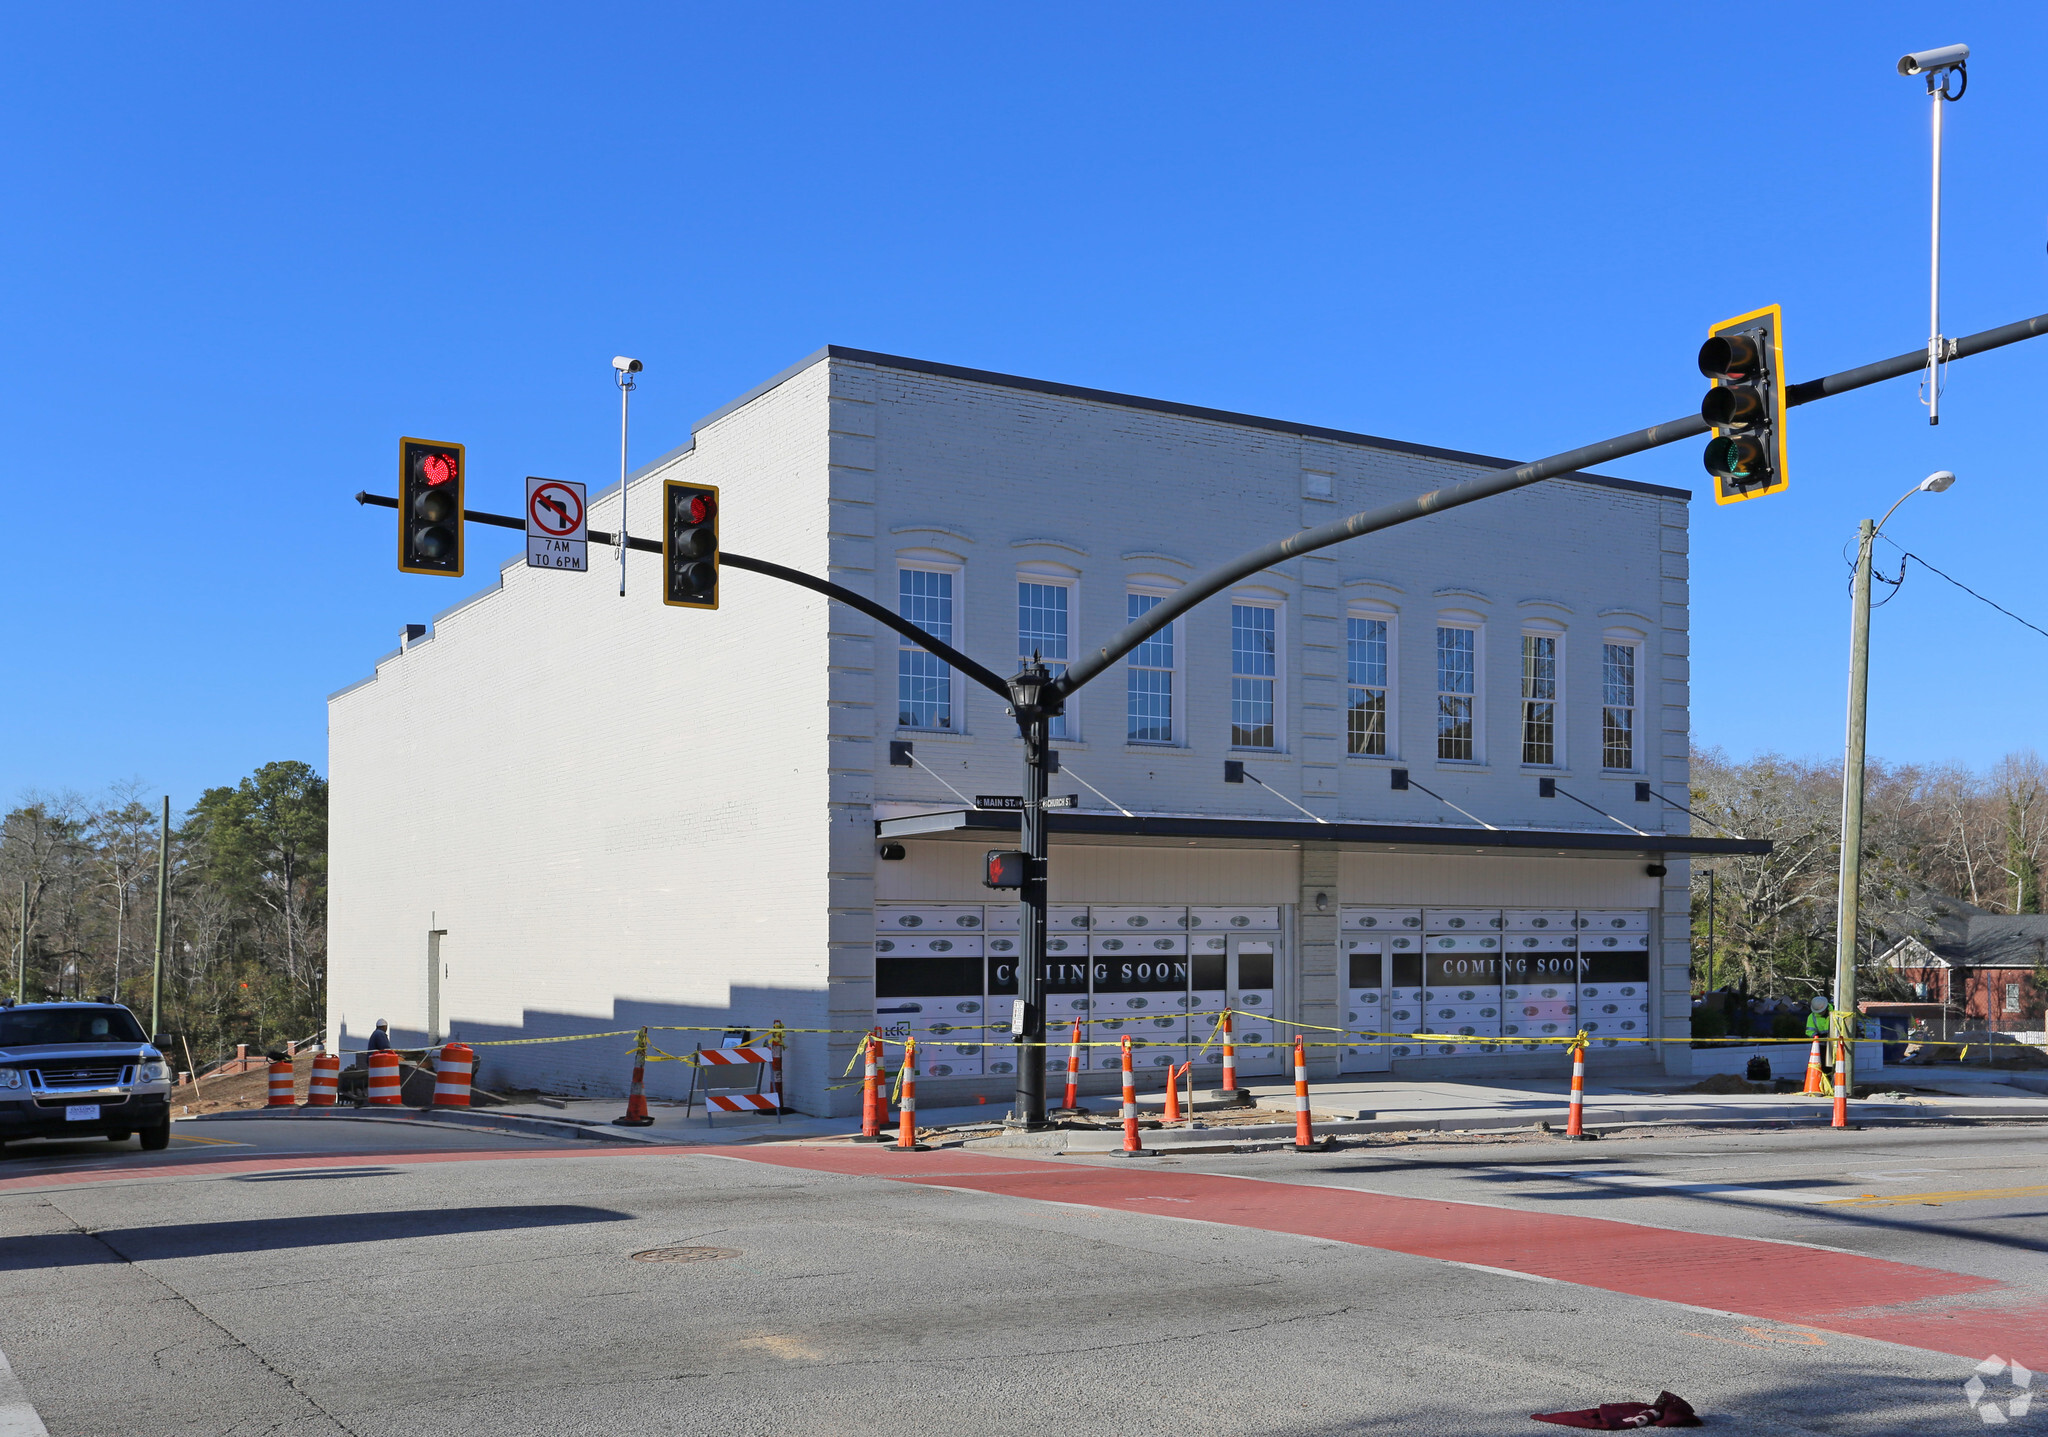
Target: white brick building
<point x="670" y="816"/>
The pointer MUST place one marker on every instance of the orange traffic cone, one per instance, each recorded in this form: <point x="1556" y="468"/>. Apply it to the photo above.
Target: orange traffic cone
<point x="873" y="1106"/>
<point x="1841" y="1117"/>
<point x="906" y="1137"/>
<point x="1816" y="1079"/>
<point x="1133" y="1146"/>
<point x="1229" y="1061"/>
<point x="383" y="1087"/>
<point x="281" y="1082"/>
<point x="326" y="1079"/>
<point x="636" y="1114"/>
<point x="1072" y="1103"/>
<point x="1575" y="1122"/>
<point x="1304" y="1129"/>
<point x="1172" y="1093"/>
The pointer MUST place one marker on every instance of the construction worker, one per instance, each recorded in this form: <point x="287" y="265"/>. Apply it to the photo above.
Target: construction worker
<point x="380" y="1040"/>
<point x="1817" y="1027"/>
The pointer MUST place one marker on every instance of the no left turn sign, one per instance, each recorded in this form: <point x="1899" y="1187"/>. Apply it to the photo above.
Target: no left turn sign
<point x="555" y="533"/>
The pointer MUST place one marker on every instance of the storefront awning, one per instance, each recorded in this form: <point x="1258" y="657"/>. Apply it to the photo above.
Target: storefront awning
<point x="971" y="824"/>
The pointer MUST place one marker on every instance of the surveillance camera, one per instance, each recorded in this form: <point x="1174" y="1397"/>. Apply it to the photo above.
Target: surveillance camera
<point x="629" y="366"/>
<point x="1924" y="62"/>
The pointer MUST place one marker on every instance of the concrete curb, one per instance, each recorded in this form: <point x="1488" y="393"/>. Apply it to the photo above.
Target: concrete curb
<point x="518" y="1123"/>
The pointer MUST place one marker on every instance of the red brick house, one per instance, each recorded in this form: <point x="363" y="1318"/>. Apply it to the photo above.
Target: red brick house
<point x="1981" y="964"/>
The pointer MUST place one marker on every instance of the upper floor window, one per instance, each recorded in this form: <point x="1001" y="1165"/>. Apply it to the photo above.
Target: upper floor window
<point x="1539" y="698"/>
<point x="1042" y="631"/>
<point x="1457" y="690"/>
<point x="924" y="682"/>
<point x="1365" y="673"/>
<point x="1618" y="706"/>
<point x="1254" y="666"/>
<point x="1148" y="681"/>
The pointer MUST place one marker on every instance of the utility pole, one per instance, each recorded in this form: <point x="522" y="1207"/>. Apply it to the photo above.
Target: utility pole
<point x="1852" y="805"/>
<point x="1851" y="877"/>
<point x="163" y="883"/>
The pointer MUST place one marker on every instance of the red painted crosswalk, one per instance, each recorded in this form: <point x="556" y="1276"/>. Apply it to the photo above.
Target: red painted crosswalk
<point x="1926" y="1307"/>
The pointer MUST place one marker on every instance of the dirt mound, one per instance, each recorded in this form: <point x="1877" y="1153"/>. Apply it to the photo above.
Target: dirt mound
<point x="234" y="1091"/>
<point x="1726" y="1083"/>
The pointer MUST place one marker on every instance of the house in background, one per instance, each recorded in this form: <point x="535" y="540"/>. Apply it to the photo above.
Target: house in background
<point x="1984" y="966"/>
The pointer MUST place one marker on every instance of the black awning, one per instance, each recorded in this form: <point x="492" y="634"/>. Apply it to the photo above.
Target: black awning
<point x="970" y="823"/>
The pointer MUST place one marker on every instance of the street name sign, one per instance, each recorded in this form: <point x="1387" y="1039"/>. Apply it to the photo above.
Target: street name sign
<point x="999" y="800"/>
<point x="1062" y="800"/>
<point x="556" y="536"/>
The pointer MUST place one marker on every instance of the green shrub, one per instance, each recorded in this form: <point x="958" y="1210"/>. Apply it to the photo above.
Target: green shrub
<point x="1708" y="1024"/>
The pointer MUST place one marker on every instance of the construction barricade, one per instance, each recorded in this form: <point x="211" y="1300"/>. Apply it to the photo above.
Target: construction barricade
<point x="281" y="1082"/>
<point x="326" y="1080"/>
<point x="1575" y="1119"/>
<point x="1304" y="1126"/>
<point x="708" y="1063"/>
<point x="453" y="1071"/>
<point x="873" y="1105"/>
<point x="383" y="1087"/>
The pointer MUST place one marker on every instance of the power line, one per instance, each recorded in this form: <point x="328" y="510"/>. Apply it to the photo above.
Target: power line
<point x="1904" y="555"/>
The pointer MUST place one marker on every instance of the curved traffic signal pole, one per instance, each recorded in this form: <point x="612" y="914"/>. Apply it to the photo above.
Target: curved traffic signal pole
<point x="1501" y="481"/>
<point x="987" y="678"/>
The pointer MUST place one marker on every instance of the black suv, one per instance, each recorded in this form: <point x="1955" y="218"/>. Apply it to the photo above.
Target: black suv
<point x="74" y="1070"/>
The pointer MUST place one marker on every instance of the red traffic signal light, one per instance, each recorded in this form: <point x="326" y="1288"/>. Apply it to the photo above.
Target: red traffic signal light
<point x="689" y="545"/>
<point x="430" y="477"/>
<point x="1005" y="868"/>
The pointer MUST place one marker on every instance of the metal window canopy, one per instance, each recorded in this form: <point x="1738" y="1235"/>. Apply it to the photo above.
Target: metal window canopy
<point x="970" y="825"/>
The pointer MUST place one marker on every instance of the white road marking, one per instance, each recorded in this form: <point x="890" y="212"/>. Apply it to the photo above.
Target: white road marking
<point x="17" y="1414"/>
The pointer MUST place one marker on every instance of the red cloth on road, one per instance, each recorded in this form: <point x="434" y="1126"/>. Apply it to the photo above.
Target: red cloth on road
<point x="1666" y="1411"/>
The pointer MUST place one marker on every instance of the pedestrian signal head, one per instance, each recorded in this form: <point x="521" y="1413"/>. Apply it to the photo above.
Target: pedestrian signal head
<point x="689" y="545"/>
<point x="1745" y="359"/>
<point x="430" y="478"/>
<point x="1005" y="868"/>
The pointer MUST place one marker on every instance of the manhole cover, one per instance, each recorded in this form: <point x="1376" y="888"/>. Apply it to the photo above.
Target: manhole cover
<point x="685" y="1254"/>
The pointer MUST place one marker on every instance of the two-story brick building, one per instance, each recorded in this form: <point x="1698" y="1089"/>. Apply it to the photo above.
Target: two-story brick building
<point x="766" y="811"/>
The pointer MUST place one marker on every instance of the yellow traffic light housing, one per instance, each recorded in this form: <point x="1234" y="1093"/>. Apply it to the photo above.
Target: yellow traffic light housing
<point x="1745" y="357"/>
<point x="430" y="477"/>
<point x="689" y="545"/>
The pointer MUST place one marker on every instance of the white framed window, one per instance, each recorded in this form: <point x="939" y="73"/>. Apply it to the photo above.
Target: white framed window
<point x="925" y="697"/>
<point x="1542" y="725"/>
<point x="1368" y="675"/>
<point x="1254" y="676"/>
<point x="1044" y="610"/>
<point x="1457" y="692"/>
<point x="1620" y="707"/>
<point x="1149" y="675"/>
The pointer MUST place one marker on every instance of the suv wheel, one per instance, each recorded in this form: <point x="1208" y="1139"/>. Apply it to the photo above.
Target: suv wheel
<point x="156" y="1139"/>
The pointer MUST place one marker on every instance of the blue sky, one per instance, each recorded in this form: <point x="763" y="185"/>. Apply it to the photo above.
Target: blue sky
<point x="250" y="246"/>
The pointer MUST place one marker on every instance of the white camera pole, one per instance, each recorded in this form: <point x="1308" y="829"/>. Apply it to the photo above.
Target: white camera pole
<point x="623" y="370"/>
<point x="1937" y="66"/>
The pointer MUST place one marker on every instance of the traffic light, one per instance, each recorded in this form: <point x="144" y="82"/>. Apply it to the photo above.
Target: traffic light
<point x="689" y="545"/>
<point x="1005" y="868"/>
<point x="1745" y="357"/>
<point x="429" y="507"/>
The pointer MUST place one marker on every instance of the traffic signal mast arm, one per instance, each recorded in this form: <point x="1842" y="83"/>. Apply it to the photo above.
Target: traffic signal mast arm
<point x="1501" y="481"/>
<point x="930" y="643"/>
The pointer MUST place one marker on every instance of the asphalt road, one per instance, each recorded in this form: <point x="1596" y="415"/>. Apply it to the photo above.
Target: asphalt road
<point x="459" y="1283"/>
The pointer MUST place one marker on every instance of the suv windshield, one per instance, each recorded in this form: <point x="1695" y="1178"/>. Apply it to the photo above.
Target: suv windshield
<point x="41" y="1027"/>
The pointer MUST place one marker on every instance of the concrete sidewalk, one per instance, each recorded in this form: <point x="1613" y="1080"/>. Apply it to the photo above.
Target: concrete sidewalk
<point x="1353" y="1105"/>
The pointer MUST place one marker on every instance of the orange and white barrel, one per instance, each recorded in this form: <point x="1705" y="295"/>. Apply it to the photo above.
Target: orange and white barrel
<point x="281" y="1083"/>
<point x="383" y="1085"/>
<point x="326" y="1079"/>
<point x="451" y="1075"/>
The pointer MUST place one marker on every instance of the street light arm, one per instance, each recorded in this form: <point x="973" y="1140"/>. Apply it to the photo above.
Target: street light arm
<point x="1501" y="481"/>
